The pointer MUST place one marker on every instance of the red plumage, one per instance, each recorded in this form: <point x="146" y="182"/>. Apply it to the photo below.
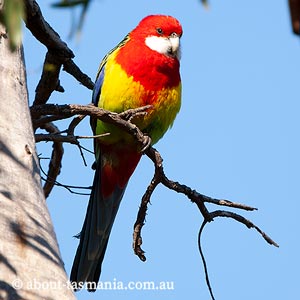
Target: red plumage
<point x="134" y="59"/>
<point x="118" y="165"/>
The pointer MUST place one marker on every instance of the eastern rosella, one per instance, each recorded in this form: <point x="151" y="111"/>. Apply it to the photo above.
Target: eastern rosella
<point x="143" y="69"/>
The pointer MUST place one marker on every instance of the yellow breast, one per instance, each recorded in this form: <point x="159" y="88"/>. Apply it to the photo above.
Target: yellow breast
<point x="120" y="92"/>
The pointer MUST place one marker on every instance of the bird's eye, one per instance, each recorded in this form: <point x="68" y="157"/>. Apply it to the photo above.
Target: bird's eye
<point x="159" y="30"/>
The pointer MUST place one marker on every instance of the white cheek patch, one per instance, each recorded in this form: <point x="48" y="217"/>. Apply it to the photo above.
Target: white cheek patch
<point x="158" y="43"/>
<point x="163" y="45"/>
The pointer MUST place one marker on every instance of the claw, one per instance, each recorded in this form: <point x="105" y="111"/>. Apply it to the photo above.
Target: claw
<point x="146" y="143"/>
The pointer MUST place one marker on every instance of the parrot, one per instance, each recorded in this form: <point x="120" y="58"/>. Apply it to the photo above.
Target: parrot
<point x="142" y="70"/>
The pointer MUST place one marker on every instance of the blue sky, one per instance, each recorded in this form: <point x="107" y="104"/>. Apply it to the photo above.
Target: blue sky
<point x="236" y="137"/>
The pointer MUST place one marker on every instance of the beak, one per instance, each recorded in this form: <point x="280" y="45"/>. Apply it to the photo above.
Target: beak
<point x="174" y="49"/>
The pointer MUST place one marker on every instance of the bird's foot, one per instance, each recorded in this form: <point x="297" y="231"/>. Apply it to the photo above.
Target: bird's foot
<point x="146" y="143"/>
<point x="133" y="113"/>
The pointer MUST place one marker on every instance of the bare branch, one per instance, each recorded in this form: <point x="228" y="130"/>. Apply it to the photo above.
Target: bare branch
<point x="49" y="81"/>
<point x="58" y="137"/>
<point x="66" y="111"/>
<point x="123" y="120"/>
<point x="55" y="161"/>
<point x="71" y="68"/>
<point x="246" y="222"/>
<point x="58" y="54"/>
<point x="36" y="123"/>
<point x="74" y="123"/>
<point x="72" y="139"/>
<point x="194" y="196"/>
<point x="140" y="220"/>
<point x="238" y="218"/>
<point x="43" y="32"/>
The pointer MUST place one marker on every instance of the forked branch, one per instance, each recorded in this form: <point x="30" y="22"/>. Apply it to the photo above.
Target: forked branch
<point x="46" y="112"/>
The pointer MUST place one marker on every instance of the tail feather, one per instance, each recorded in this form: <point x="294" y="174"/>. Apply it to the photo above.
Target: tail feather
<point x="94" y="234"/>
<point x="99" y="219"/>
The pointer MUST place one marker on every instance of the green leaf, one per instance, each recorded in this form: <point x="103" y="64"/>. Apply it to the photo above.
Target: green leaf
<point x="13" y="13"/>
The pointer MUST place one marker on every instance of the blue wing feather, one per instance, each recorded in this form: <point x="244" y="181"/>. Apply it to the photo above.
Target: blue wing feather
<point x="98" y="86"/>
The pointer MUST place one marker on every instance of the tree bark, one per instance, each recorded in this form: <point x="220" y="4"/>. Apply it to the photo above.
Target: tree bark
<point x="30" y="262"/>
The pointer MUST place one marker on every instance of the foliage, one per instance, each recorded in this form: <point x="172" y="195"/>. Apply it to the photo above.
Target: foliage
<point x="11" y="17"/>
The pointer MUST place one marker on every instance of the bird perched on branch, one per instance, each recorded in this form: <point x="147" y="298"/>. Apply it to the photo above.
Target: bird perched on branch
<point x="143" y="69"/>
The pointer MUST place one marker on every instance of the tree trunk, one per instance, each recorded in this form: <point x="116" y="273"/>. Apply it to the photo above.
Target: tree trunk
<point x="30" y="262"/>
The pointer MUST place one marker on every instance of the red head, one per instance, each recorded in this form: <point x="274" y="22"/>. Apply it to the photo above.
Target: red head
<point x="160" y="33"/>
<point x="152" y="52"/>
<point x="158" y="25"/>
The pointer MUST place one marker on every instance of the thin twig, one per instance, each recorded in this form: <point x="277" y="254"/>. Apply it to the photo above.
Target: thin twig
<point x="58" y="138"/>
<point x="73" y="69"/>
<point x="87" y="150"/>
<point x="204" y="261"/>
<point x="74" y="123"/>
<point x="223" y="202"/>
<point x="140" y="220"/>
<point x="55" y="161"/>
<point x="238" y="218"/>
<point x="246" y="222"/>
<point x="67" y="187"/>
<point x="72" y="139"/>
<point x="44" y="120"/>
<point x="82" y="155"/>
